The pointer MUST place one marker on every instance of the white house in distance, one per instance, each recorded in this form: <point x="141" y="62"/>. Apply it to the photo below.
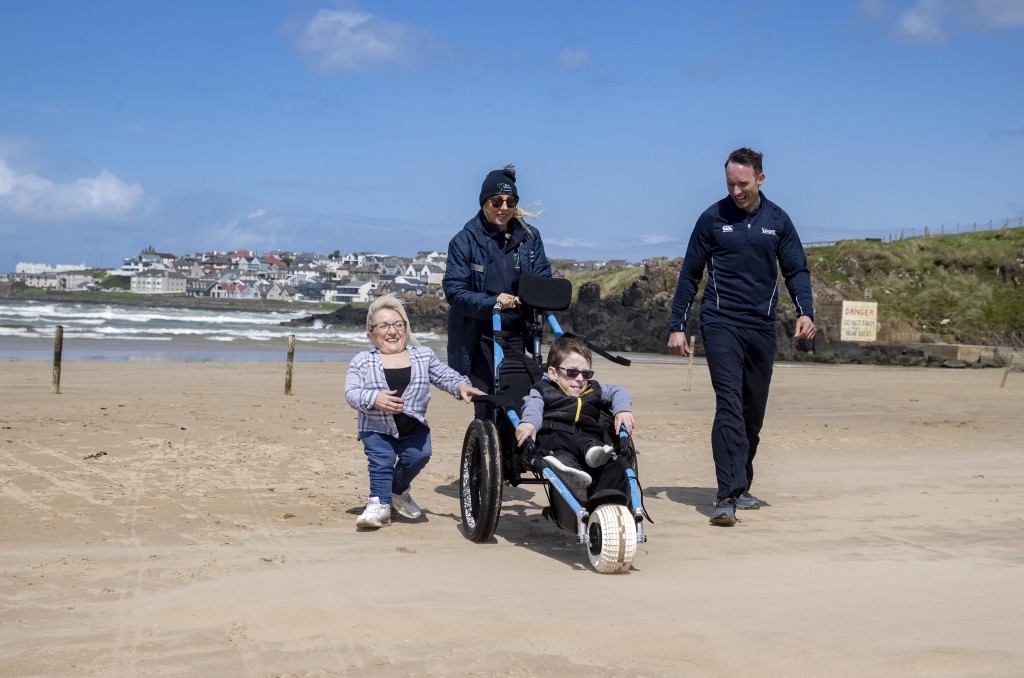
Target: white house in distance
<point x="352" y="291"/>
<point x="158" y="282"/>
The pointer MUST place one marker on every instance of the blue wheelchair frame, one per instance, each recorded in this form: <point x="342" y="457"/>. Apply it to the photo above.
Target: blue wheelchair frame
<point x="514" y="460"/>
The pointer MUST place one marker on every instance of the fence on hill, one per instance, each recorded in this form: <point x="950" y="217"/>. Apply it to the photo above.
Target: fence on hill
<point x="912" y="232"/>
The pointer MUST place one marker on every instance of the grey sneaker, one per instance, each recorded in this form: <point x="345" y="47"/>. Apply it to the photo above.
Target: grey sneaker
<point x="405" y="506"/>
<point x="375" y="515"/>
<point x="747" y="502"/>
<point x="575" y="479"/>
<point x="598" y="455"/>
<point x="725" y="512"/>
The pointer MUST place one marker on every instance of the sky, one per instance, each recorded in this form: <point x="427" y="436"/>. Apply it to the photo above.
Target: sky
<point x="368" y="126"/>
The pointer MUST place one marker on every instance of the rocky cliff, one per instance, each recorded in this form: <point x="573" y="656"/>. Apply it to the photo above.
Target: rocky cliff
<point x="636" y="322"/>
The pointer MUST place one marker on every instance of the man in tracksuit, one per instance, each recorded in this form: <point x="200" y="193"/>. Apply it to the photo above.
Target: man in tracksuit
<point x="739" y="239"/>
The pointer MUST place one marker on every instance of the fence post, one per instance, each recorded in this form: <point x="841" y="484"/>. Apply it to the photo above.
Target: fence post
<point x="58" y="350"/>
<point x="288" y="369"/>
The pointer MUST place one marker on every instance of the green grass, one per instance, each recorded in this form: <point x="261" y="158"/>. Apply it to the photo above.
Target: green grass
<point x="611" y="281"/>
<point x="973" y="280"/>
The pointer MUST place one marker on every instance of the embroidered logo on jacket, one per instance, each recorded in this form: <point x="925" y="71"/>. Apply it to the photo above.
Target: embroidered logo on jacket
<point x="767" y="231"/>
<point x="727" y="228"/>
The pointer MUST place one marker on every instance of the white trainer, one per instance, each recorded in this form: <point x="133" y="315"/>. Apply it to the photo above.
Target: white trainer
<point x="375" y="515"/>
<point x="405" y="506"/>
<point x="577" y="480"/>
<point x="598" y="455"/>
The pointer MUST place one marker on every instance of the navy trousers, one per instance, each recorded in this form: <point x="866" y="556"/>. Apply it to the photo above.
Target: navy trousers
<point x="740" y="361"/>
<point x="481" y="371"/>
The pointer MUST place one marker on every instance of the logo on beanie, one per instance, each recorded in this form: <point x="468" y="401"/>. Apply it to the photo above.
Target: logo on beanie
<point x="504" y="188"/>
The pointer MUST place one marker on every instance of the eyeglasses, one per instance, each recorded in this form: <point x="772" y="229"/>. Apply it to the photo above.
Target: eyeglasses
<point x="398" y="325"/>
<point x="509" y="200"/>
<point x="572" y="372"/>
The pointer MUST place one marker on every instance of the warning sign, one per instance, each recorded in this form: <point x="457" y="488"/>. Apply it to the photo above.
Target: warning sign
<point x="860" y="321"/>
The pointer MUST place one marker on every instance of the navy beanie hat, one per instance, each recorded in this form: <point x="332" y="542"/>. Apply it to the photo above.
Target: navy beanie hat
<point x="499" y="182"/>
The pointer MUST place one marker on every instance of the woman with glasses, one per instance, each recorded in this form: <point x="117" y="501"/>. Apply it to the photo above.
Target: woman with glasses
<point x="390" y="387"/>
<point x="485" y="260"/>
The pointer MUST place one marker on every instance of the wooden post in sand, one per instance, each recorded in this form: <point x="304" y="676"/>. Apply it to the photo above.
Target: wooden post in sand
<point x="1009" y="366"/>
<point x="58" y="349"/>
<point x="288" y="370"/>
<point x="689" y="372"/>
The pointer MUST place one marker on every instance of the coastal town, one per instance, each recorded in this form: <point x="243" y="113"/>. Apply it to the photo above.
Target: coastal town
<point x="273" y="276"/>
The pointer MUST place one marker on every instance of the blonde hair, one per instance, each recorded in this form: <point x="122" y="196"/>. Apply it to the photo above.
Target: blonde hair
<point x="390" y="301"/>
<point x="522" y="213"/>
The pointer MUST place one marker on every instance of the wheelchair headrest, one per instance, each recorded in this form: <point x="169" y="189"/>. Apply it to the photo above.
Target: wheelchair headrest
<point x="546" y="294"/>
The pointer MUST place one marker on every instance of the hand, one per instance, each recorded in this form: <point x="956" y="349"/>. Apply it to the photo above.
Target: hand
<point x="466" y="392"/>
<point x="388" y="401"/>
<point x="805" y="328"/>
<point x="624" y="419"/>
<point x="525" y="432"/>
<point x="506" y="301"/>
<point x="678" y="345"/>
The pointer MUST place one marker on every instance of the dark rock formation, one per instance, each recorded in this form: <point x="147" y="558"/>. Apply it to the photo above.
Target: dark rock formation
<point x="426" y="314"/>
<point x="637" y="322"/>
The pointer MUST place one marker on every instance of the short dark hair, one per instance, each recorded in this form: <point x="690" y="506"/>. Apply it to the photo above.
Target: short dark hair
<point x="748" y="157"/>
<point x="563" y="346"/>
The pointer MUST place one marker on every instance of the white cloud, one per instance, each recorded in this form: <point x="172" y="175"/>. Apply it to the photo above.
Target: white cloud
<point x="573" y="59"/>
<point x="31" y="197"/>
<point x="339" y="41"/>
<point x="933" y="21"/>
<point x="922" y="22"/>
<point x="656" y="239"/>
<point x="570" y="242"/>
<point x="998" y="14"/>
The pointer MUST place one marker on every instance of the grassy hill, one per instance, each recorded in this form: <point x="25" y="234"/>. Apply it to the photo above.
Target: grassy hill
<point x="968" y="285"/>
<point x="612" y="281"/>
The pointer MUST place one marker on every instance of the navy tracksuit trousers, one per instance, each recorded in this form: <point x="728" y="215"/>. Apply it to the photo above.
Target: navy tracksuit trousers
<point x="740" y="361"/>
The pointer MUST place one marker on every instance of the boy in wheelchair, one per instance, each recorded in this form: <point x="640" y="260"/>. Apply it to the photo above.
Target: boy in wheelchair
<point x="562" y="414"/>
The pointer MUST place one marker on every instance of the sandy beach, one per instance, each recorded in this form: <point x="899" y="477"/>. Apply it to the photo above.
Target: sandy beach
<point x="165" y="519"/>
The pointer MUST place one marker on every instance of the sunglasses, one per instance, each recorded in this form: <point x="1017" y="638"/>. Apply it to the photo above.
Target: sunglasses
<point x="510" y="200"/>
<point x="384" y="327"/>
<point x="572" y="372"/>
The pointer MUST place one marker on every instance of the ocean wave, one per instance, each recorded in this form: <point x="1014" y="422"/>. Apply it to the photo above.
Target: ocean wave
<point x="112" y="328"/>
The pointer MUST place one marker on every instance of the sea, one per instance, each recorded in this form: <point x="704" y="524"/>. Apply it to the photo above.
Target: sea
<point x="118" y="333"/>
<point x="121" y="333"/>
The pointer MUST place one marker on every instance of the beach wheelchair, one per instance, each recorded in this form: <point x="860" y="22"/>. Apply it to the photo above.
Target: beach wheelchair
<point x="609" y="523"/>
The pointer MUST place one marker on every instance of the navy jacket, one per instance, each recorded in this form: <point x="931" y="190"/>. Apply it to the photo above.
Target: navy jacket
<point x="742" y="253"/>
<point x="465" y="282"/>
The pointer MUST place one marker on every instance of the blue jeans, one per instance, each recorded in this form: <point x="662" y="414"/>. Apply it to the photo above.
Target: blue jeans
<point x="394" y="462"/>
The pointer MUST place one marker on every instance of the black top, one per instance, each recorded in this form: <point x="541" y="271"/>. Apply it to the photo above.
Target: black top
<point x="398" y="379"/>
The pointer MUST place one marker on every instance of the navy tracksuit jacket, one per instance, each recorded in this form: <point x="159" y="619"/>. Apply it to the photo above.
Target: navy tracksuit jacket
<point x="742" y="253"/>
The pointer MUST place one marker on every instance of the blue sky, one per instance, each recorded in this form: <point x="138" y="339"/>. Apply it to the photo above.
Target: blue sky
<point x="369" y="126"/>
